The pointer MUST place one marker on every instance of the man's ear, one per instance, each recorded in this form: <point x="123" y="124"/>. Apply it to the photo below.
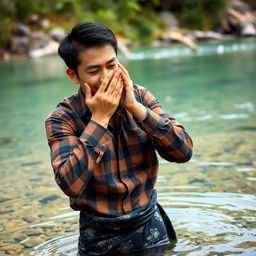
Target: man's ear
<point x="71" y="73"/>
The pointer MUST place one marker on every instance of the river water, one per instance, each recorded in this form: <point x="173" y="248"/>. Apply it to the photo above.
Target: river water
<point x="210" y="200"/>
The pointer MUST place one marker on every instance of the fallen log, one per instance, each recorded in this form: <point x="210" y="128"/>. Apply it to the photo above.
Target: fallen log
<point x="178" y="36"/>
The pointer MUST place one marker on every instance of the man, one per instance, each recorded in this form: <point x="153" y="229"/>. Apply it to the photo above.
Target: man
<point x="103" y="143"/>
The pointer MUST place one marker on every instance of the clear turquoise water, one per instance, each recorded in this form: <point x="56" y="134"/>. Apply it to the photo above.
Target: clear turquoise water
<point x="211" y="200"/>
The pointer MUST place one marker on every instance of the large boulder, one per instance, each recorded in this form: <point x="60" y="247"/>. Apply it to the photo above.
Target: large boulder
<point x="49" y="49"/>
<point x="38" y="40"/>
<point x="247" y="28"/>
<point x="20" y="40"/>
<point x="239" y="6"/>
<point x="20" y="30"/>
<point x="20" y="45"/>
<point x="169" y="19"/>
<point x="241" y="18"/>
<point x="57" y="34"/>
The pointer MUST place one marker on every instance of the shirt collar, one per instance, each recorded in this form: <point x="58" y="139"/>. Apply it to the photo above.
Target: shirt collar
<point x="81" y="107"/>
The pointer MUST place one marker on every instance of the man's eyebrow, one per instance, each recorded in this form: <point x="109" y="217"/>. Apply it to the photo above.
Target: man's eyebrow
<point x="97" y="66"/>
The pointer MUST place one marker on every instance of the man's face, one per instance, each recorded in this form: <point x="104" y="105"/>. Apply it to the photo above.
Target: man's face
<point x="95" y="63"/>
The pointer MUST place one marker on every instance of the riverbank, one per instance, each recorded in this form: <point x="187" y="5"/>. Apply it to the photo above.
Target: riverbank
<point x="40" y="36"/>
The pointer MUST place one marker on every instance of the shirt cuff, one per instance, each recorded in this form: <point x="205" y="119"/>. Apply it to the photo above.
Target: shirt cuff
<point x="153" y="124"/>
<point x="96" y="135"/>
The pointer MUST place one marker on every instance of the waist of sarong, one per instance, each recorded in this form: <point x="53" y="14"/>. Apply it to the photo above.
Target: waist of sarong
<point x="130" y="221"/>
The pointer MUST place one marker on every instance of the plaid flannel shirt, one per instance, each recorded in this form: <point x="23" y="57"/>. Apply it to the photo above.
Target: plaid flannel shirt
<point x="112" y="171"/>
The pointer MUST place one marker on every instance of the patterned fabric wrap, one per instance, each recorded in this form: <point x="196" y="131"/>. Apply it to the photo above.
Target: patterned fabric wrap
<point x="135" y="232"/>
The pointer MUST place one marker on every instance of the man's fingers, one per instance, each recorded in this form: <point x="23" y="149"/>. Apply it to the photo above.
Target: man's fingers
<point x="113" y="82"/>
<point x="127" y="81"/>
<point x="88" y="93"/>
<point x="105" y="82"/>
<point x="125" y="75"/>
<point x="115" y="85"/>
<point x="118" y="89"/>
<point x="124" y="70"/>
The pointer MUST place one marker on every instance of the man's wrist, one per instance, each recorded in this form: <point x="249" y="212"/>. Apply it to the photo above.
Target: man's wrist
<point x="138" y="111"/>
<point x="100" y="120"/>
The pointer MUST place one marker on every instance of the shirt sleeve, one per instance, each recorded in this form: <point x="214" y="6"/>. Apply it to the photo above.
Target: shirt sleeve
<point x="74" y="158"/>
<point x="169" y="137"/>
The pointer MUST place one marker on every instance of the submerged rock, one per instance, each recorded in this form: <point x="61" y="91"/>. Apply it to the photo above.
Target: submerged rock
<point x="11" y="248"/>
<point x="31" y="242"/>
<point x="20" y="237"/>
<point x="48" y="199"/>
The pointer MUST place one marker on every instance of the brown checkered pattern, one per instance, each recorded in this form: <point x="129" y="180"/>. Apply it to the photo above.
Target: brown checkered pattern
<point x="112" y="171"/>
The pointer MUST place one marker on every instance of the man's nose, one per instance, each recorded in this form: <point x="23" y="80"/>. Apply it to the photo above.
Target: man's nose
<point x="105" y="71"/>
<point x="103" y="74"/>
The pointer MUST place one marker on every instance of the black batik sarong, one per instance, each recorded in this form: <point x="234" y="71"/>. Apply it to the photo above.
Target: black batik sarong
<point x="136" y="232"/>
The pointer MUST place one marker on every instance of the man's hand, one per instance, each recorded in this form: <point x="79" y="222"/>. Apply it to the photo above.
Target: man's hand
<point x="105" y="101"/>
<point x="128" y="99"/>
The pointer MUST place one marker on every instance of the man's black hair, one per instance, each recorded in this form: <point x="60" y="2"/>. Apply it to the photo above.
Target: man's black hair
<point x="84" y="36"/>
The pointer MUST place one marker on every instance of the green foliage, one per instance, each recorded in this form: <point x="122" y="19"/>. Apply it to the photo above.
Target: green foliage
<point x="199" y="14"/>
<point x="135" y="19"/>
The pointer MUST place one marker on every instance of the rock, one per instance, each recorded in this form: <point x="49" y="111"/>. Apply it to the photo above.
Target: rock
<point x="4" y="199"/>
<point x="30" y="219"/>
<point x="242" y="21"/>
<point x="20" y="44"/>
<point x="197" y="181"/>
<point x="31" y="242"/>
<point x="5" y="140"/>
<point x="6" y="210"/>
<point x="31" y="163"/>
<point x="57" y="34"/>
<point x="21" y="30"/>
<point x="34" y="232"/>
<point x="4" y="55"/>
<point x="45" y="23"/>
<point x="11" y="248"/>
<point x="239" y="6"/>
<point x="50" y="49"/>
<point x="47" y="226"/>
<point x="48" y="199"/>
<point x="20" y="237"/>
<point x="33" y="19"/>
<point x="169" y="19"/>
<point x="39" y="40"/>
<point x="247" y="28"/>
<point x="206" y="35"/>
